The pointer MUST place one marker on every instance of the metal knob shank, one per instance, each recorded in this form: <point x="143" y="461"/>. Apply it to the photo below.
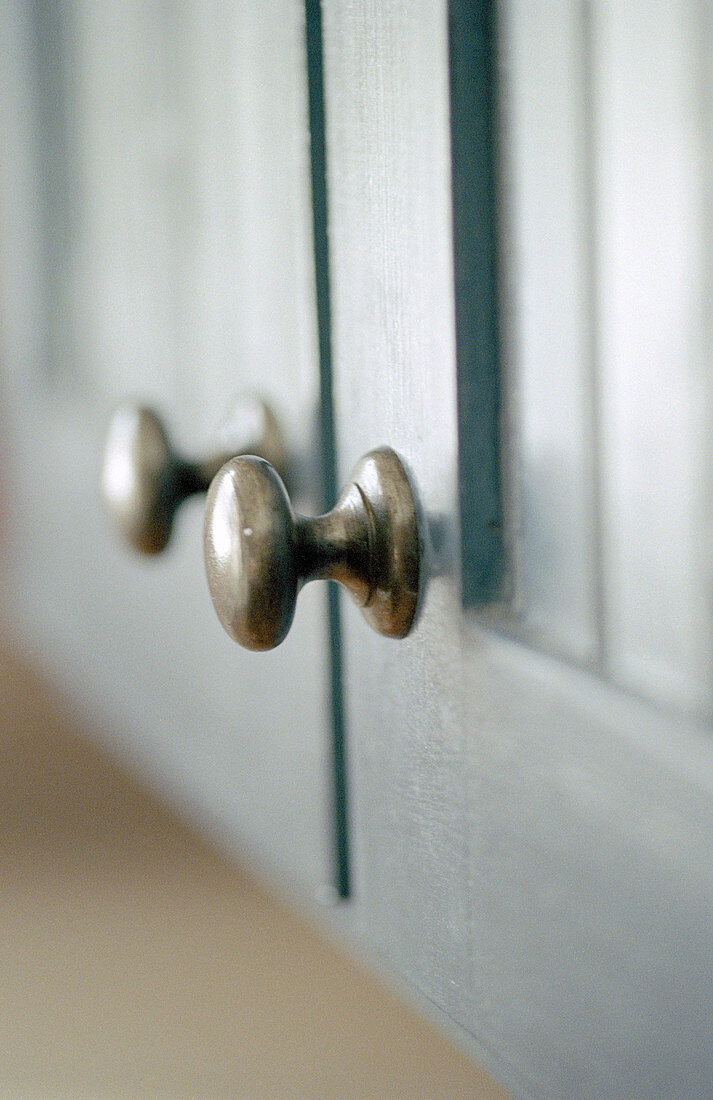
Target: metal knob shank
<point x="144" y="479"/>
<point x="259" y="553"/>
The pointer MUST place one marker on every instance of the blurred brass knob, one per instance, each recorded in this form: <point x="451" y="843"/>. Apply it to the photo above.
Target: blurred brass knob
<point x="144" y="479"/>
<point x="258" y="553"/>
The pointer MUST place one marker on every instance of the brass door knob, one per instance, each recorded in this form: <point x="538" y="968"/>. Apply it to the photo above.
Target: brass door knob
<point x="144" y="479"/>
<point x="258" y="553"/>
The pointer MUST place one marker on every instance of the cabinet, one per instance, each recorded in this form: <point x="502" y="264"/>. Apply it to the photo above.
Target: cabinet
<point x="530" y="779"/>
<point x="159" y="245"/>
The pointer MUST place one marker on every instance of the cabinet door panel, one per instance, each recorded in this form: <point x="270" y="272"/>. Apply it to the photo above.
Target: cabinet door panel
<point x="652" y="88"/>
<point x="389" y="170"/>
<point x="188" y="276"/>
<point x="531" y="843"/>
<point x="545" y="228"/>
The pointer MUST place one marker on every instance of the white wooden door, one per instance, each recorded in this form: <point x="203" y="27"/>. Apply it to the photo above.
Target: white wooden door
<point x="157" y="245"/>
<point x="532" y="781"/>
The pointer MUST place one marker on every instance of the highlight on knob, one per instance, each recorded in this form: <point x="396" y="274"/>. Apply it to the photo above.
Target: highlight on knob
<point x="140" y="478"/>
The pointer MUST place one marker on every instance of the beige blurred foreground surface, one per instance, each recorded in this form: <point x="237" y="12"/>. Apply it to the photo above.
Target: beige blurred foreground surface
<point x="136" y="962"/>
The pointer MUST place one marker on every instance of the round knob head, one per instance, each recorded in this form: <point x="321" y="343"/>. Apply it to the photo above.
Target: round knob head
<point x="137" y="478"/>
<point x="249" y="545"/>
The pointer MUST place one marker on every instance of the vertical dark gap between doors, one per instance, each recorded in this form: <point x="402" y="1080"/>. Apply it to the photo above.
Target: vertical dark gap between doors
<point x="315" y="77"/>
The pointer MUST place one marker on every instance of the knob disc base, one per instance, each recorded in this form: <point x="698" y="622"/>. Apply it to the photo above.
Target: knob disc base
<point x="395" y="542"/>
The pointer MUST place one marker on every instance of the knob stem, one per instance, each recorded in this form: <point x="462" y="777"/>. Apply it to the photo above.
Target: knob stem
<point x="337" y="546"/>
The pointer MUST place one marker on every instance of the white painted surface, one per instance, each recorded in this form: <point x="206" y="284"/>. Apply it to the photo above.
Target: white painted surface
<point x="387" y="110"/>
<point x="577" y="953"/>
<point x="193" y="280"/>
<point x="532" y="845"/>
<point x="547" y="318"/>
<point x="654" y="314"/>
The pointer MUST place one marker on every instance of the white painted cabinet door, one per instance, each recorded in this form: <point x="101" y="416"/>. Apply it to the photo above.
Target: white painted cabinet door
<point x="157" y="244"/>
<point x="532" y="837"/>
